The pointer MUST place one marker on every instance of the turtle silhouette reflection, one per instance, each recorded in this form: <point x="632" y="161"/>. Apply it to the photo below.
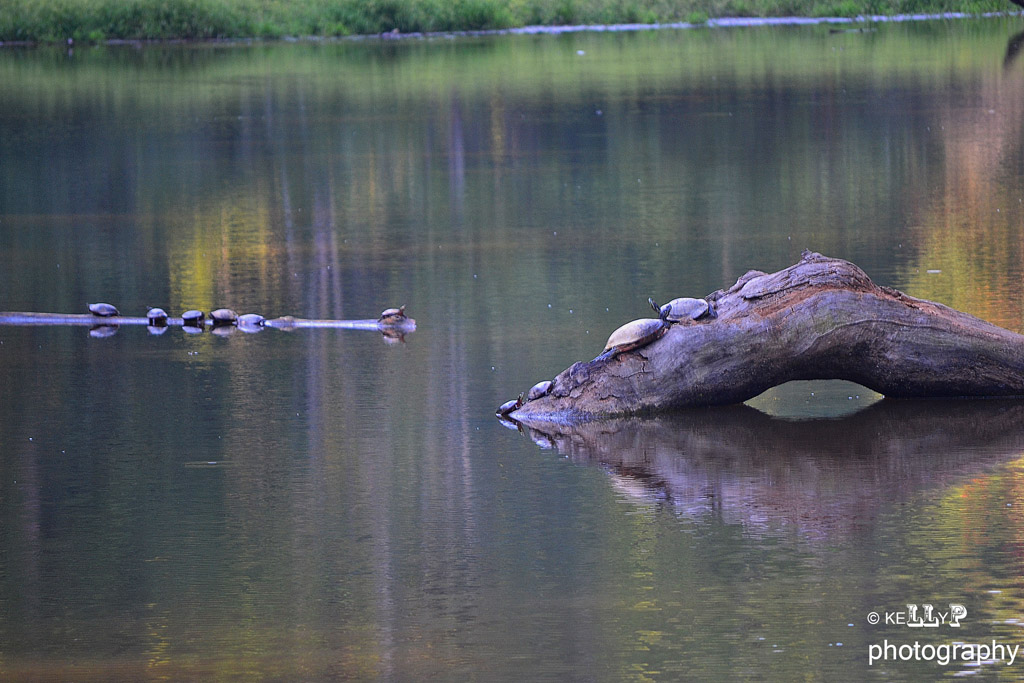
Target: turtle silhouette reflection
<point x="823" y="478"/>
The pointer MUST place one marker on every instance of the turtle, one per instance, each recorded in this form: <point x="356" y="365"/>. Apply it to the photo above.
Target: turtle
<point x="252" y="320"/>
<point x="390" y="316"/>
<point x="633" y="335"/>
<point x="223" y="316"/>
<point x="193" y="318"/>
<point x="683" y="308"/>
<point x="539" y="389"/>
<point x="103" y="310"/>
<point x="508" y="406"/>
<point x="157" y="317"/>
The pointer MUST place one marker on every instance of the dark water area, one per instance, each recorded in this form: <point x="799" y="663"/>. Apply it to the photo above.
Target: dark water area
<point x="329" y="504"/>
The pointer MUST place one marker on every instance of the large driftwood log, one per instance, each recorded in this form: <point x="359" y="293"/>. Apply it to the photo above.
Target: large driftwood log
<point x="821" y="318"/>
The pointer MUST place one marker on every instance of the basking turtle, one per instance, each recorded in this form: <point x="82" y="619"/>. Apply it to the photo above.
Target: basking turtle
<point x="683" y="308"/>
<point x="391" y="316"/>
<point x="103" y="310"/>
<point x="223" y="316"/>
<point x="508" y="406"/>
<point x="539" y="389"/>
<point x="633" y="335"/>
<point x="193" y="318"/>
<point x="157" y="317"/>
<point x="252" y="320"/>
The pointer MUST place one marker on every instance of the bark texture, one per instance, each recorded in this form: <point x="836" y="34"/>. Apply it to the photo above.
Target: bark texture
<point x="821" y="318"/>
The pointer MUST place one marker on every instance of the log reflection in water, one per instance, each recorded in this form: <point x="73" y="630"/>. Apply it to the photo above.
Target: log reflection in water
<point x="825" y="478"/>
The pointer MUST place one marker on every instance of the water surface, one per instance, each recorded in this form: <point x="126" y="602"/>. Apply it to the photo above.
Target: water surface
<point x="323" y="504"/>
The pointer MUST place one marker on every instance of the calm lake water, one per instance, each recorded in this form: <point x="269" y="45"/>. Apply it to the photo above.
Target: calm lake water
<point x="323" y="505"/>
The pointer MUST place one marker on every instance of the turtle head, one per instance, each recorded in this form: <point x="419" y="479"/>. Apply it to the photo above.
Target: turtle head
<point x="521" y="400"/>
<point x="662" y="311"/>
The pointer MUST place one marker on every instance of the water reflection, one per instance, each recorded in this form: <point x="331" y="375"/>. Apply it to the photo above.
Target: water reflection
<point x="825" y="478"/>
<point x="802" y="400"/>
<point x="1013" y="49"/>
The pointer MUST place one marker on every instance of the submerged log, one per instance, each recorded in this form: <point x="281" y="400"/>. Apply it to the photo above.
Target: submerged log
<point x="400" y="326"/>
<point x="821" y="318"/>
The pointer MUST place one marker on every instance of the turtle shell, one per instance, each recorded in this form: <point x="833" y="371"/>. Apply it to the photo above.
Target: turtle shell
<point x="193" y="318"/>
<point x="103" y="310"/>
<point x="157" y="316"/>
<point x="507" y="407"/>
<point x="251" y="319"/>
<point x="683" y="308"/>
<point x="224" y="315"/>
<point x="539" y="389"/>
<point x="635" y="334"/>
<point x="390" y="315"/>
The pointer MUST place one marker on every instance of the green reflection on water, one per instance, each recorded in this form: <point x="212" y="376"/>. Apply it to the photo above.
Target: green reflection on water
<point x="360" y="514"/>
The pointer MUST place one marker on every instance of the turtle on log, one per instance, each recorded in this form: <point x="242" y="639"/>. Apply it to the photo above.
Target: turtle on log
<point x="508" y="406"/>
<point x="157" y="317"/>
<point x="540" y="389"/>
<point x="392" y="316"/>
<point x="633" y="335"/>
<point x="684" y="308"/>
<point x="252" y="320"/>
<point x="103" y="310"/>
<point x="223" y="316"/>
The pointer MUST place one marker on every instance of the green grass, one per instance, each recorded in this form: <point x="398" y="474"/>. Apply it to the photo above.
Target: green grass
<point x="98" y="20"/>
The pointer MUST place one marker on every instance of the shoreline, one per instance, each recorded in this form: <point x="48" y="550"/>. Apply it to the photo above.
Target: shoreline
<point x="722" y="22"/>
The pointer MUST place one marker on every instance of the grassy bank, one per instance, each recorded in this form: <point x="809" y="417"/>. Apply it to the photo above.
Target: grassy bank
<point x="98" y="20"/>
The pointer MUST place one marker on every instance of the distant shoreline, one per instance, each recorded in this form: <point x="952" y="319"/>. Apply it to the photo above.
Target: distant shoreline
<point x="141" y="22"/>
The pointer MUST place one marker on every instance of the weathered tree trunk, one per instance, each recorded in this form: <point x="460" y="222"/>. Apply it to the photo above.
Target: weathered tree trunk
<point x="821" y="318"/>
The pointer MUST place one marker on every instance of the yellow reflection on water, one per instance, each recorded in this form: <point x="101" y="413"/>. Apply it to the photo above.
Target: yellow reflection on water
<point x="217" y="238"/>
<point x="970" y="244"/>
